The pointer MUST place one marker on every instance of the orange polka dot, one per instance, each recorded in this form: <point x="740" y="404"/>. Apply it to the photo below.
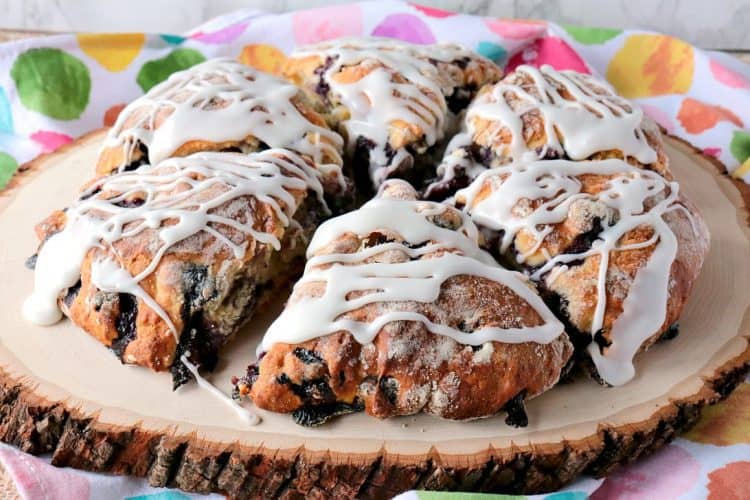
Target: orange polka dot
<point x="263" y="57"/>
<point x="697" y="117"/>
<point x="110" y="116"/>
<point x="730" y="482"/>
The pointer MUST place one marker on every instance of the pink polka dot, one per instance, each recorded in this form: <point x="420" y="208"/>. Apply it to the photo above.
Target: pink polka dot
<point x="668" y="474"/>
<point x="728" y="77"/>
<point x="224" y="35"/>
<point x="659" y="116"/>
<point x="433" y="12"/>
<point x="516" y="30"/>
<point x="550" y="50"/>
<point x="34" y="478"/>
<point x="405" y="27"/>
<point x="715" y="152"/>
<point x="315" y="25"/>
<point x="49" y="140"/>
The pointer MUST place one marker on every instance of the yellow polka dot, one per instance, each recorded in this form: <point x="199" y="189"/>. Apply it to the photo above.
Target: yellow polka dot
<point x="725" y="423"/>
<point x="651" y="65"/>
<point x="263" y="57"/>
<point x="742" y="170"/>
<point x="113" y="51"/>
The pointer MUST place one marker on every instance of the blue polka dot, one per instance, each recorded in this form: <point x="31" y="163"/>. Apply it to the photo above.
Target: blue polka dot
<point x="6" y="117"/>
<point x="165" y="495"/>
<point x="173" y="39"/>
<point x="567" y="495"/>
<point x="492" y="51"/>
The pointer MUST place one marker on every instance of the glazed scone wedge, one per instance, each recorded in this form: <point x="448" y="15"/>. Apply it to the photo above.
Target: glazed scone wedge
<point x="615" y="249"/>
<point x="400" y="312"/>
<point x="172" y="259"/>
<point x="395" y="102"/>
<point x="540" y="113"/>
<point x="219" y="105"/>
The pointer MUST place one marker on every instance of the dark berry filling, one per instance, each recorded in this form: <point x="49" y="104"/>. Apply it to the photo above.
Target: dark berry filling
<point x="310" y="416"/>
<point x="71" y="293"/>
<point x="322" y="88"/>
<point x="670" y="333"/>
<point x="389" y="386"/>
<point x="30" y="263"/>
<point x="142" y="159"/>
<point x="583" y="242"/>
<point x="125" y="323"/>
<point x="307" y="356"/>
<point x="516" y="411"/>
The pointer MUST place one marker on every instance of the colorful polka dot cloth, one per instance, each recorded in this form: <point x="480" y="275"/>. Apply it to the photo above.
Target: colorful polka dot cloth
<point x="54" y="89"/>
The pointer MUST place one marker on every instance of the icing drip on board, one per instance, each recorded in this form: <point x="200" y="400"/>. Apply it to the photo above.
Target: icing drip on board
<point x="581" y="116"/>
<point x="177" y="199"/>
<point x="243" y="413"/>
<point x="632" y="198"/>
<point x="456" y="252"/>
<point x="217" y="101"/>
<point x="402" y="85"/>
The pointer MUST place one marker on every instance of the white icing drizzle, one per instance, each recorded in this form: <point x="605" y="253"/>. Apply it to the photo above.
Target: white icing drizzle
<point x="182" y="191"/>
<point x="627" y="200"/>
<point x="242" y="412"/>
<point x="589" y="123"/>
<point x="414" y="280"/>
<point x="255" y="103"/>
<point x="376" y="101"/>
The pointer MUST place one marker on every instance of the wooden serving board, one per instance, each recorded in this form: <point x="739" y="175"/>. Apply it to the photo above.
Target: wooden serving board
<point x="64" y="393"/>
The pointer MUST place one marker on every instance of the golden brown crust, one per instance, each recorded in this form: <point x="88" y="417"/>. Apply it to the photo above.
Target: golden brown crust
<point x="515" y="106"/>
<point x="117" y="155"/>
<point x="408" y="368"/>
<point x="458" y="81"/>
<point x="571" y="288"/>
<point x="204" y="289"/>
<point x="493" y="134"/>
<point x="577" y="285"/>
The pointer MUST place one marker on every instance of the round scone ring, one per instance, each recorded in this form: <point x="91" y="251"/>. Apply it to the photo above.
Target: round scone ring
<point x="174" y="258"/>
<point x="614" y="248"/>
<point x="400" y="312"/>
<point x="542" y="113"/>
<point x="219" y="105"/>
<point x="394" y="101"/>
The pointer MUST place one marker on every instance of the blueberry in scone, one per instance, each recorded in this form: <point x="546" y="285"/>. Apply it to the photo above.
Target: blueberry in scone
<point x="400" y="312"/>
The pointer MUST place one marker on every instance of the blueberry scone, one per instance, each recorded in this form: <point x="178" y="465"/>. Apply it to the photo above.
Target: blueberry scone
<point x="394" y="102"/>
<point x="614" y="248"/>
<point x="400" y="312"/>
<point x="218" y="105"/>
<point x="540" y="113"/>
<point x="172" y="259"/>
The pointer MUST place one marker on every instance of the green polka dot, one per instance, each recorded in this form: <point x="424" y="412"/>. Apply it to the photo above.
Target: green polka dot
<point x="52" y="82"/>
<point x="740" y="145"/>
<point x="8" y="166"/>
<point x="157" y="70"/>
<point x="591" y="36"/>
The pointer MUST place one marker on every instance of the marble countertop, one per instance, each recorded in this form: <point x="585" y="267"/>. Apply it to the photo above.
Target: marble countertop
<point x="715" y="24"/>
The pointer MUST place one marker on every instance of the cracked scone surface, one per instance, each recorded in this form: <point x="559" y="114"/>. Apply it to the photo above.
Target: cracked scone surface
<point x="176" y="257"/>
<point x="614" y="248"/>
<point x="367" y="358"/>
<point x="541" y="113"/>
<point x="394" y="102"/>
<point x="218" y="105"/>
